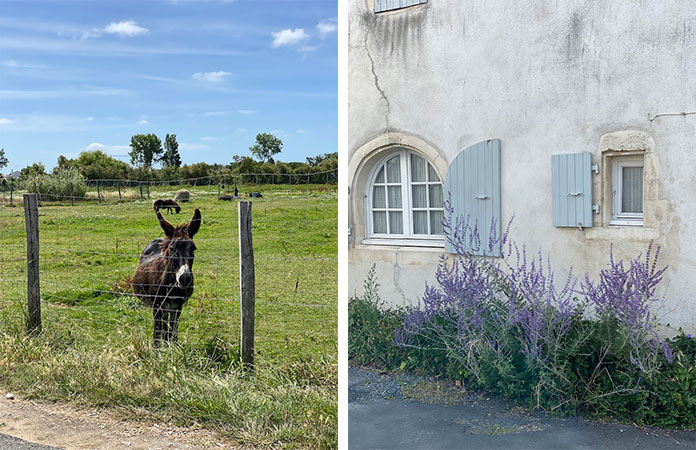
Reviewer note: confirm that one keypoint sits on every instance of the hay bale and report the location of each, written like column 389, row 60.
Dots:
column 182, row 196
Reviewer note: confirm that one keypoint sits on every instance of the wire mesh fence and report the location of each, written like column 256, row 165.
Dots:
column 89, row 253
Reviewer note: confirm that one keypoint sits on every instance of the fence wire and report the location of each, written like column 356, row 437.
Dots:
column 89, row 253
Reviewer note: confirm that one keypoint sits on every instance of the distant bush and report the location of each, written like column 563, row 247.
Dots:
column 61, row 185
column 182, row 196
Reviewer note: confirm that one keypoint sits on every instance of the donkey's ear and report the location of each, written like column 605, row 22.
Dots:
column 195, row 223
column 166, row 226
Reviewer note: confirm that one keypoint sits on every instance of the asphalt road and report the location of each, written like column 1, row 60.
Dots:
column 13, row 443
column 413, row 413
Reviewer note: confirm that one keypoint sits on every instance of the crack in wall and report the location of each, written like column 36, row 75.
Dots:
column 397, row 286
column 377, row 86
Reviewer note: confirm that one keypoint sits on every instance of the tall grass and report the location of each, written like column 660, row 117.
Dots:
column 95, row 348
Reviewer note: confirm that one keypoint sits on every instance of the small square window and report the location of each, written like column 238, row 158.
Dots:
column 627, row 189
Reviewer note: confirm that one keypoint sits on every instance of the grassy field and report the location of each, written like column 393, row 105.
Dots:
column 96, row 350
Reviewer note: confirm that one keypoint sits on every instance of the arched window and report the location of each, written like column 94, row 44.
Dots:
column 405, row 200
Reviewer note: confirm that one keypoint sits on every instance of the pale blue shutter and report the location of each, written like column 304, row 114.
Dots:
column 473, row 186
column 571, row 176
column 386, row 5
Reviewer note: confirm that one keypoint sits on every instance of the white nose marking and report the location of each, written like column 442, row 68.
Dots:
column 182, row 270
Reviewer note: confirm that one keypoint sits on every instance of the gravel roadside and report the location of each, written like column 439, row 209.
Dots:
column 411, row 412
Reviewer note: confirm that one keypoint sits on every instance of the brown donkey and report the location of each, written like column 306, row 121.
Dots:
column 164, row 277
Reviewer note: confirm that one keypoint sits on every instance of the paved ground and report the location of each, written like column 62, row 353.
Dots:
column 415, row 413
column 13, row 443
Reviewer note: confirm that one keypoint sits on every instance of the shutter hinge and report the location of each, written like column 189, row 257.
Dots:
column 350, row 231
column 595, row 208
column 595, row 168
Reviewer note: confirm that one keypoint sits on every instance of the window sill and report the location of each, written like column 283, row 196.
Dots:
column 617, row 232
column 626, row 222
column 433, row 243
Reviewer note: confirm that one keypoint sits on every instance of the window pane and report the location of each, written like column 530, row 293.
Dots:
column 436, row 222
column 380, row 176
column 396, row 223
column 435, row 195
column 632, row 189
column 395, row 196
column 394, row 170
column 417, row 168
column 420, row 222
column 379, row 222
column 378, row 197
column 419, row 196
column 432, row 175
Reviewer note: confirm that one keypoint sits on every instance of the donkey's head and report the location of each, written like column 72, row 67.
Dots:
column 179, row 249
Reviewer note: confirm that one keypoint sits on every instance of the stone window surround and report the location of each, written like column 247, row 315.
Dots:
column 361, row 165
column 619, row 144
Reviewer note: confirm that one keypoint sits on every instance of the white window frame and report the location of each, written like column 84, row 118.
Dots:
column 619, row 217
column 408, row 238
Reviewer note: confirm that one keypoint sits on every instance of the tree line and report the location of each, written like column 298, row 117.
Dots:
column 148, row 151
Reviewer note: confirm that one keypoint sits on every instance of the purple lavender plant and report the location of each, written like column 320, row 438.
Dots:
column 626, row 295
column 543, row 313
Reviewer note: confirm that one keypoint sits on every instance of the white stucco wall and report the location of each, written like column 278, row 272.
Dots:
column 544, row 77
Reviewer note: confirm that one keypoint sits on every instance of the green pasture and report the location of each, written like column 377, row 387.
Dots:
column 96, row 349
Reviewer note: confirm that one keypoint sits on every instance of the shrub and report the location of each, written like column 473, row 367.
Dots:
column 63, row 184
column 504, row 325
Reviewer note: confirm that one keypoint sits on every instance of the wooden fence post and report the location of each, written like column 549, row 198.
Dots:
column 11, row 190
column 99, row 192
column 31, row 217
column 141, row 190
column 148, row 190
column 247, row 284
column 119, row 191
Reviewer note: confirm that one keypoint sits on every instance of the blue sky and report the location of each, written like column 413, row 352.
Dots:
column 81, row 75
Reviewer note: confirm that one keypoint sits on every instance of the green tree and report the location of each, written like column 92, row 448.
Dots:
column 266, row 146
column 95, row 165
column 3, row 159
column 171, row 157
column 33, row 170
column 317, row 160
column 146, row 149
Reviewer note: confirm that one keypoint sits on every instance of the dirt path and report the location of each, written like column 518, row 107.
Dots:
column 63, row 426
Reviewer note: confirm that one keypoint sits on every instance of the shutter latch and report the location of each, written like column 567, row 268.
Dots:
column 595, row 168
column 575, row 194
column 482, row 197
column 595, row 208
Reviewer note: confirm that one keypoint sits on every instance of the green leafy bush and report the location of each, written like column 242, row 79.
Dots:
column 61, row 185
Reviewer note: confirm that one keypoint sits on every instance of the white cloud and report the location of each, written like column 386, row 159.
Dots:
column 209, row 138
column 307, row 48
column 302, row 131
column 15, row 94
column 90, row 118
column 327, row 27
column 125, row 28
column 108, row 149
column 240, row 130
column 289, row 37
column 277, row 132
column 211, row 77
column 142, row 122
column 187, row 146
column 5, row 121
column 17, row 65
column 247, row 112
column 216, row 113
